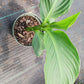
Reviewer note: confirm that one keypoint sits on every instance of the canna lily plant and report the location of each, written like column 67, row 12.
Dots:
column 62, row 64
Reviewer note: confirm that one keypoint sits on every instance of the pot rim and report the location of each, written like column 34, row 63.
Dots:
column 24, row 14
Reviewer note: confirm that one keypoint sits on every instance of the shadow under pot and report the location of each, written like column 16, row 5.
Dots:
column 22, row 36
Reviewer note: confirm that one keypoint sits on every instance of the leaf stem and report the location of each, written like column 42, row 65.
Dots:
column 35, row 28
column 49, row 14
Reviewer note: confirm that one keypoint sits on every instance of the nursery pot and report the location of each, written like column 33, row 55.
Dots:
column 22, row 36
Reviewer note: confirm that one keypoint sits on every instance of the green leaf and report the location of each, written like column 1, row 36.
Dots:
column 62, row 61
column 51, row 9
column 65, row 23
column 38, row 43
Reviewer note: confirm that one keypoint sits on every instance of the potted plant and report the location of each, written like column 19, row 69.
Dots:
column 62, row 64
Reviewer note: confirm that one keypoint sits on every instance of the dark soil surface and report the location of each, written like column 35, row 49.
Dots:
column 25, row 37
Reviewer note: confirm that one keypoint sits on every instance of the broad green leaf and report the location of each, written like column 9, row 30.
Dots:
column 38, row 43
column 62, row 61
column 65, row 23
column 51, row 9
